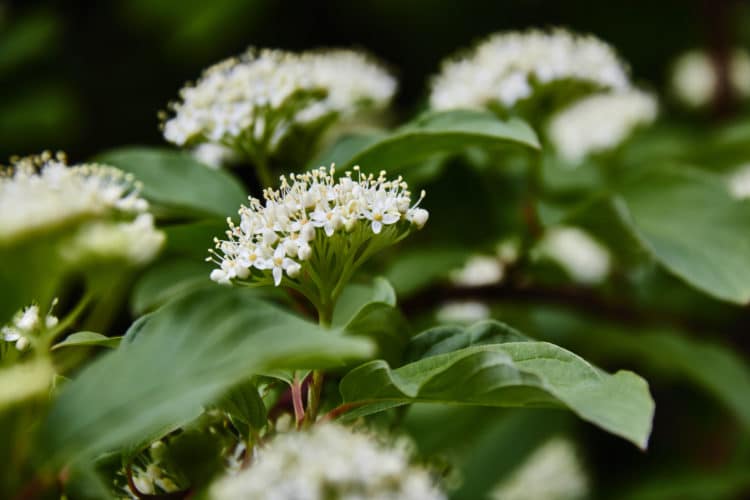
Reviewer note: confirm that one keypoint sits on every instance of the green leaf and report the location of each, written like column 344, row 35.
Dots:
column 167, row 280
column 193, row 240
column 344, row 149
column 369, row 310
column 357, row 295
column 177, row 359
column 445, row 339
column 178, row 184
column 243, row 402
column 31, row 272
column 513, row 374
column 441, row 132
column 691, row 225
column 88, row 339
column 707, row 364
column 442, row 430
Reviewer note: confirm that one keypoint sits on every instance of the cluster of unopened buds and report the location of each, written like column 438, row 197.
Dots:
column 316, row 229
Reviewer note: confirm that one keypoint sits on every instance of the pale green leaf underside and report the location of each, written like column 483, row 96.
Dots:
column 514, row 374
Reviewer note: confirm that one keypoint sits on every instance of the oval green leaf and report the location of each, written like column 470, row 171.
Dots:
column 176, row 183
column 514, row 374
column 691, row 225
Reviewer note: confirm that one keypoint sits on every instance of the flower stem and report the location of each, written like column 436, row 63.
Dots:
column 299, row 411
column 263, row 172
column 313, row 397
column 315, row 387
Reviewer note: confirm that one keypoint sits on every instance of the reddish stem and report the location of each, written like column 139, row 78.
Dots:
column 299, row 411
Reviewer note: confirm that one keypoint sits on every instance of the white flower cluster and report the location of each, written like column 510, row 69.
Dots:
column 583, row 258
column 330, row 225
column 26, row 324
column 251, row 103
column 695, row 79
column 42, row 192
column 329, row 461
column 135, row 242
column 504, row 69
column 600, row 122
column 552, row 472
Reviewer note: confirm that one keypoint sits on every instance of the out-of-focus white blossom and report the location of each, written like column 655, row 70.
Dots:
column 552, row 472
column 583, row 258
column 27, row 324
column 328, row 461
column 135, row 242
column 739, row 182
column 600, row 122
column 506, row 67
column 316, row 230
column 479, row 270
column 508, row 250
column 468, row 311
column 695, row 78
column 253, row 102
column 213, row 155
column 40, row 193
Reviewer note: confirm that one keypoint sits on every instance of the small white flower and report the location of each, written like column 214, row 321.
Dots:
column 280, row 263
column 600, row 122
column 382, row 213
column 327, row 218
column 29, row 319
column 505, row 68
column 220, row 276
column 10, row 334
column 419, row 216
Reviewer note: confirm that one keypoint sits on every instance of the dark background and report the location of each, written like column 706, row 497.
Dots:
column 87, row 76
